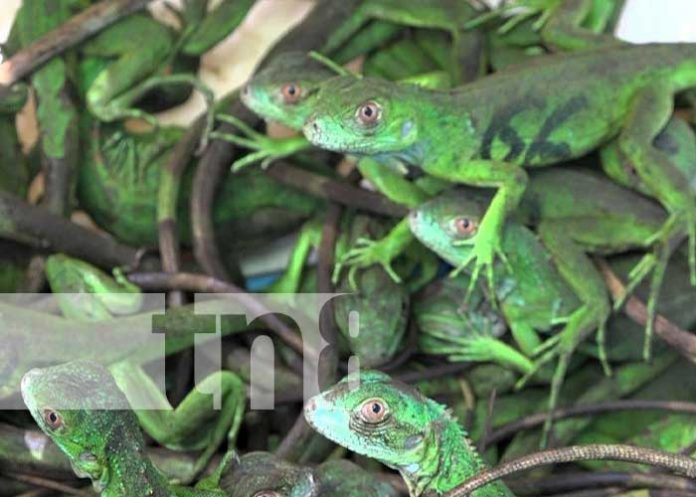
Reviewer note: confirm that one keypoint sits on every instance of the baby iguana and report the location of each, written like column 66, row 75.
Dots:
column 487, row 132
column 285, row 91
column 577, row 213
column 79, row 406
column 260, row 474
column 562, row 24
column 463, row 329
column 85, row 292
column 373, row 415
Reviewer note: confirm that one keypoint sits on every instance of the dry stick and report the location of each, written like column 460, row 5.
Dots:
column 334, row 190
column 39, row 492
column 674, row 462
column 168, row 238
column 50, row 484
column 571, row 481
column 680, row 340
column 538, row 419
column 301, row 432
column 85, row 24
column 207, row 284
column 167, row 203
column 35, row 226
column 311, row 34
column 433, row 372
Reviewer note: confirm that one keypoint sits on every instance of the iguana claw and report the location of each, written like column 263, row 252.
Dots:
column 266, row 149
column 365, row 253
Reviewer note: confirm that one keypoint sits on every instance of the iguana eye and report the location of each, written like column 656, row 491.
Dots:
column 464, row 226
column 291, row 93
column 52, row 419
column 369, row 113
column 374, row 411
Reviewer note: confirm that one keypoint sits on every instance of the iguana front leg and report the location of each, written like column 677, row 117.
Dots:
column 511, row 181
column 367, row 252
column 195, row 423
column 565, row 28
column 265, row 148
column 650, row 112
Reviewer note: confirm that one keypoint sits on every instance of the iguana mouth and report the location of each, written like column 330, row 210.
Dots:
column 316, row 136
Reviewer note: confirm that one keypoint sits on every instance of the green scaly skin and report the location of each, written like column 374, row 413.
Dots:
column 193, row 424
column 79, row 406
column 284, row 90
column 576, row 213
column 566, row 25
column 33, row 338
column 468, row 331
column 447, row 15
column 503, row 124
column 126, row 61
column 381, row 303
column 267, row 95
column 121, row 173
column 393, row 423
column 263, row 474
column 109, row 295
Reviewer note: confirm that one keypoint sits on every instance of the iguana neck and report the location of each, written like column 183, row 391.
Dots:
column 128, row 469
column 448, row 459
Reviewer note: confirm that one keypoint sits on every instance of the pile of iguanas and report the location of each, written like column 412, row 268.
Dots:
column 504, row 166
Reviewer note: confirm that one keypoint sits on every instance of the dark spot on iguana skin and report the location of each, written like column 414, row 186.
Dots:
column 555, row 151
column 500, row 127
column 540, row 147
column 665, row 143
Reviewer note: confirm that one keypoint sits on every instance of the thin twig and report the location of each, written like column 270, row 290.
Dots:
column 37, row 481
column 433, row 372
column 538, row 419
column 301, row 432
column 85, row 24
column 680, row 340
column 573, row 481
column 35, row 226
column 313, row 32
column 674, row 462
column 207, row 284
column 334, row 190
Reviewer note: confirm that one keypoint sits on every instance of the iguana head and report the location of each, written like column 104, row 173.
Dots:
column 285, row 90
column 78, row 405
column 373, row 415
column 261, row 474
column 452, row 217
column 364, row 116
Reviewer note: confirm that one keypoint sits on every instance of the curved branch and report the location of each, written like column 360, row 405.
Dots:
column 680, row 340
column 85, row 24
column 35, row 226
column 538, row 419
column 206, row 284
column 673, row 462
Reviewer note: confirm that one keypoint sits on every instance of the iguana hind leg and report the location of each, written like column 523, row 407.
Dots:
column 650, row 112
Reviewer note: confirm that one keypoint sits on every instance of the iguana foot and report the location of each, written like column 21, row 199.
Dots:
column 365, row 253
column 486, row 245
column 266, row 149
